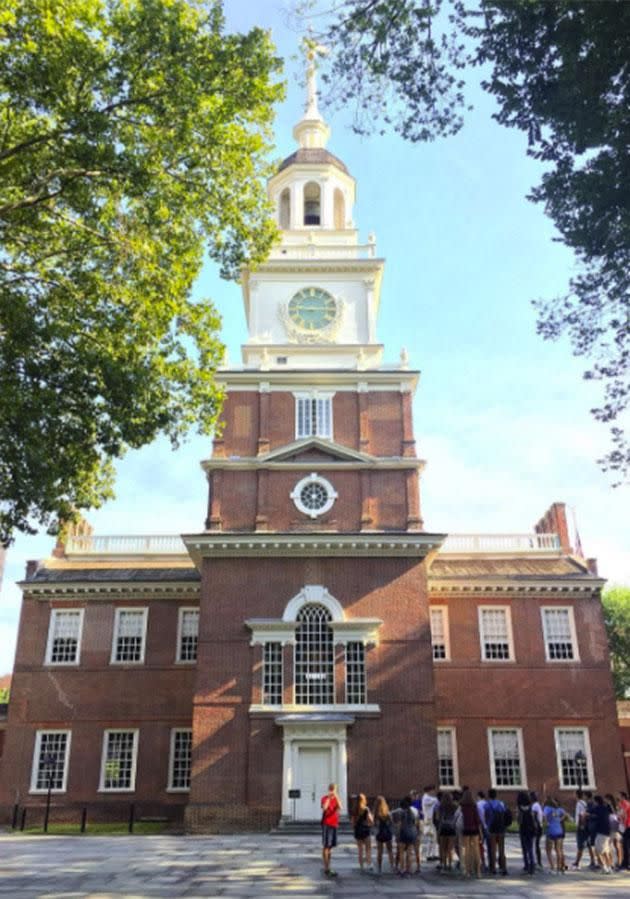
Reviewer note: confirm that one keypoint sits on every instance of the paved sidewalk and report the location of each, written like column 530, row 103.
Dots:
column 252, row 866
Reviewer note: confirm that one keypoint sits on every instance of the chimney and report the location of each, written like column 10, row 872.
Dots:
column 78, row 528
column 591, row 564
column 32, row 567
column 554, row 521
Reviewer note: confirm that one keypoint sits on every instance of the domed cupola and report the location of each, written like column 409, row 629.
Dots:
column 313, row 189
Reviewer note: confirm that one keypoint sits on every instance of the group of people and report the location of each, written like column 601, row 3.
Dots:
column 466, row 832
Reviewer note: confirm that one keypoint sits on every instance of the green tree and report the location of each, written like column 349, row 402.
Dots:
column 559, row 72
column 134, row 136
column 616, row 603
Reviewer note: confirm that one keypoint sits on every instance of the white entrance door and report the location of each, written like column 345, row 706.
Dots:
column 314, row 773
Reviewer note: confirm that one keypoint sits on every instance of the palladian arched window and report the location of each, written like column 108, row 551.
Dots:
column 284, row 209
column 314, row 657
column 339, row 210
column 312, row 204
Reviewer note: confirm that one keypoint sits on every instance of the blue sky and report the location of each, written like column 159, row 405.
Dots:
column 501, row 417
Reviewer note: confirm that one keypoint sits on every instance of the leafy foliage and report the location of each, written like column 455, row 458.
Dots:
column 133, row 138
column 559, row 71
column 4, row 694
column 616, row 603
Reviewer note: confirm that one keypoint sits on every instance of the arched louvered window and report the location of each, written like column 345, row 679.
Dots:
column 314, row 657
column 312, row 204
column 284, row 209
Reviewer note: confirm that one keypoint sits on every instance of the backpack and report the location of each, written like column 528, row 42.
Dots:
column 527, row 822
column 500, row 817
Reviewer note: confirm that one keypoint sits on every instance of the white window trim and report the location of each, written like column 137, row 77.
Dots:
column 589, row 757
column 171, row 761
column 180, row 625
column 453, row 732
column 510, row 634
column 521, row 756
column 447, row 632
column 345, row 672
column 35, row 766
column 314, row 395
column 49, row 643
column 317, row 479
column 119, row 610
column 574, row 640
column 134, row 760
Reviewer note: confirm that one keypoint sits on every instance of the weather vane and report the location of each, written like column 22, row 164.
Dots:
column 312, row 50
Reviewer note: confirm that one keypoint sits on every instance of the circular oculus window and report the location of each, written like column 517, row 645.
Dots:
column 313, row 495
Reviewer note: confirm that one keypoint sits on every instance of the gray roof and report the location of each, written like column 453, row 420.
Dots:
column 103, row 575
column 314, row 156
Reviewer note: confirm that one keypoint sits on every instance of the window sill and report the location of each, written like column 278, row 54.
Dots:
column 178, row 789
column 44, row 792
column 363, row 709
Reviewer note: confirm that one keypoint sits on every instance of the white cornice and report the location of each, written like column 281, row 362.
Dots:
column 401, row 380
column 113, row 590
column 478, row 584
column 266, row 545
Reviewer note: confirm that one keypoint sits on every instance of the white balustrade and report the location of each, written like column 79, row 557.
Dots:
column 500, row 543
column 123, row 545
column 323, row 251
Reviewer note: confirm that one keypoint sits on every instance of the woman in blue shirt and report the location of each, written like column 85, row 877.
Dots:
column 554, row 820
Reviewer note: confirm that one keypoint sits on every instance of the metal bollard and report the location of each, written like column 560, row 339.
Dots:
column 23, row 821
column 83, row 819
column 132, row 812
column 16, row 812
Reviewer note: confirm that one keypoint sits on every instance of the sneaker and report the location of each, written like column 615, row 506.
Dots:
column 332, row 873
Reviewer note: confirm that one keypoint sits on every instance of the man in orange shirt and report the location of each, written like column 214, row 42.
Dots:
column 331, row 806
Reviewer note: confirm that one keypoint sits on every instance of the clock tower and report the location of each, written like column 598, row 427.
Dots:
column 314, row 642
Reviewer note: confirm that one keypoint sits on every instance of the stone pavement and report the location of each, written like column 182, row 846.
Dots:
column 251, row 866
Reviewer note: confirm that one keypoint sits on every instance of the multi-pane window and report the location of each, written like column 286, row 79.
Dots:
column 447, row 760
column 439, row 633
column 314, row 657
column 506, row 757
column 313, row 415
column 272, row 674
column 356, row 693
column 64, row 637
column 179, row 765
column 559, row 633
column 575, row 766
column 129, row 635
column 50, row 761
column 495, row 633
column 118, row 768
column 188, row 635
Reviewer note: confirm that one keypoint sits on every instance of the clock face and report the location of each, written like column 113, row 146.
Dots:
column 311, row 309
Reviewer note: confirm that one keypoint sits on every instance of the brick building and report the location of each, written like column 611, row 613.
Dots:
column 314, row 630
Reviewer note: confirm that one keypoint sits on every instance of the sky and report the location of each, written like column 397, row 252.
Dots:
column 501, row 417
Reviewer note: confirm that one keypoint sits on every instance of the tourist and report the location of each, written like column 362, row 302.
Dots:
column 484, row 842
column 616, row 839
column 526, row 830
column 623, row 806
column 581, row 829
column 601, row 817
column 445, row 813
column 331, row 807
column 471, row 831
column 590, row 824
column 407, row 835
column 384, row 832
column 416, row 803
column 554, row 819
column 428, row 803
column 498, row 819
column 363, row 822
column 537, row 809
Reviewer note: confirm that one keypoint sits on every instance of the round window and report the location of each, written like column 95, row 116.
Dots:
column 313, row 495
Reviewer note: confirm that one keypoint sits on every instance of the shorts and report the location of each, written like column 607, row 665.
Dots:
column 602, row 843
column 583, row 839
column 329, row 836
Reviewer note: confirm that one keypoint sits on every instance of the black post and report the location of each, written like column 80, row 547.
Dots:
column 23, row 820
column 580, row 767
column 83, row 819
column 16, row 812
column 132, row 812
